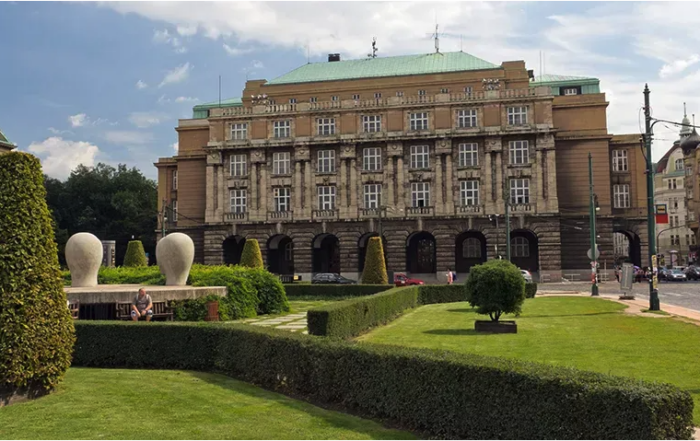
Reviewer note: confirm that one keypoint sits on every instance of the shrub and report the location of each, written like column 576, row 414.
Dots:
column 445, row 395
column 135, row 255
column 496, row 288
column 139, row 275
column 272, row 298
column 530, row 290
column 428, row 294
column 374, row 272
column 36, row 329
column 195, row 310
column 251, row 256
column 294, row 290
column 241, row 299
column 348, row 318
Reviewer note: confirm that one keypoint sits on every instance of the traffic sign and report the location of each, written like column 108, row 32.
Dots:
column 597, row 253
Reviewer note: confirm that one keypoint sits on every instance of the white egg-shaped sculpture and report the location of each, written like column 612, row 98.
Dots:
column 84, row 257
column 175, row 254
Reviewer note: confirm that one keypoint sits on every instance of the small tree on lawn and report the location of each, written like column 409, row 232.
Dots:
column 496, row 288
column 135, row 255
column 251, row 256
column 374, row 272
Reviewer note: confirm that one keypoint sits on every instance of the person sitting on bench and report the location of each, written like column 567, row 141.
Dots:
column 142, row 306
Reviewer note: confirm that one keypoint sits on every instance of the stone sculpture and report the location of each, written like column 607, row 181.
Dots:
column 175, row 254
column 84, row 257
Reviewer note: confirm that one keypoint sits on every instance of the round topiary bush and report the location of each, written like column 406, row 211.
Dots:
column 374, row 272
column 135, row 255
column 530, row 290
column 496, row 288
column 251, row 256
column 36, row 329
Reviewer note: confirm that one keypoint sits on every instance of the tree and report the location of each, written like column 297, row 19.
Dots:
column 496, row 287
column 251, row 256
column 135, row 255
column 374, row 271
column 36, row 329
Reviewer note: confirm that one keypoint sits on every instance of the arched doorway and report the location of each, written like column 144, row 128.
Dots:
column 524, row 250
column 420, row 253
column 627, row 247
column 233, row 248
column 280, row 254
column 326, row 254
column 470, row 250
column 362, row 250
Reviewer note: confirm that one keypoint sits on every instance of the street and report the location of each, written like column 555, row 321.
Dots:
column 685, row 294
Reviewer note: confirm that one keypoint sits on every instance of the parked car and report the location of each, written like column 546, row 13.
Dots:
column 331, row 278
column 663, row 273
column 675, row 275
column 692, row 273
column 526, row 275
column 404, row 280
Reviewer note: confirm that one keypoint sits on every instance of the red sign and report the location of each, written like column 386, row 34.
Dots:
column 662, row 218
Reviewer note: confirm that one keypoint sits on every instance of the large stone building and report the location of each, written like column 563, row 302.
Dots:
column 424, row 150
column 5, row 144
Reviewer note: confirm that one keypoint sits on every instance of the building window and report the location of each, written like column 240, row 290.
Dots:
column 469, row 155
column 444, row 90
column 372, row 123
column 621, row 196
column 519, row 152
column 517, row 115
column 174, row 209
column 326, row 161
column 421, row 92
column 420, row 194
column 292, row 100
column 312, row 99
column 238, row 201
column 420, row 156
column 674, row 203
column 334, row 98
column 469, row 192
column 466, row 118
column 373, row 195
column 521, row 247
column 519, row 191
column 371, row 159
column 326, row 197
column 356, row 96
column 281, row 163
column 282, row 129
column 282, row 197
column 326, row 126
column 174, row 179
column 399, row 93
column 468, row 90
column 471, row 248
column 619, row 160
column 570, row 91
column 377, row 95
column 679, row 165
column 239, row 131
column 239, row 165
column 672, row 184
column 419, row 121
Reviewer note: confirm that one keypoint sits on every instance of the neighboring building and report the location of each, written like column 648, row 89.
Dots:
column 691, row 157
column 674, row 238
column 422, row 149
column 5, row 144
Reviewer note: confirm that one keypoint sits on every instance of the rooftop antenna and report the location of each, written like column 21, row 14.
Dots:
column 544, row 62
column 685, row 111
column 541, row 73
column 437, row 40
column 460, row 43
column 374, row 48
column 308, row 49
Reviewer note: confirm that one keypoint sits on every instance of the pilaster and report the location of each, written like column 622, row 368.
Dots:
column 297, row 187
column 353, row 181
column 449, row 185
column 439, row 200
column 401, row 184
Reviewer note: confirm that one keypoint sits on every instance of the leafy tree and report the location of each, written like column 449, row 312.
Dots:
column 374, row 271
column 496, row 288
column 251, row 256
column 135, row 255
column 36, row 329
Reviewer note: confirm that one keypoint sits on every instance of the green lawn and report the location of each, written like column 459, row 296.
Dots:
column 141, row 404
column 590, row 334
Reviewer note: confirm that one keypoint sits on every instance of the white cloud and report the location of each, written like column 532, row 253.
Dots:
column 143, row 120
column 141, row 85
column 78, row 120
column 165, row 37
column 59, row 132
column 175, row 146
column 177, row 75
column 128, row 138
column 59, row 156
column 678, row 66
column 234, row 51
column 187, row 31
column 185, row 99
column 163, row 99
column 257, row 64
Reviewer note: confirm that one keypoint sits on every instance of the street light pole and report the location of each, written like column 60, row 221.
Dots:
column 507, row 200
column 594, row 284
column 654, row 304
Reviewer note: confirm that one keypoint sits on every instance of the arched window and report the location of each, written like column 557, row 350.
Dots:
column 289, row 251
column 471, row 248
column 679, row 165
column 521, row 247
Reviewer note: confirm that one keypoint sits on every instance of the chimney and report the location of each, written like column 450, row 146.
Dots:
column 333, row 57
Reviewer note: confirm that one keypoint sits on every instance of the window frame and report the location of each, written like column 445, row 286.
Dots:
column 281, row 163
column 372, row 159
column 174, row 181
column 469, row 197
column 282, row 127
column 325, row 126
column 682, row 162
column 467, row 118
column 519, row 191
column 468, row 150
column 373, row 122
column 372, row 196
column 282, row 202
column 326, row 197
column 620, row 160
column 519, row 152
column 420, row 191
column 325, row 161
column 238, row 131
column 418, row 121
column 517, row 115
column 238, row 161
column 420, row 160
column 238, row 199
column 173, row 209
column 621, row 199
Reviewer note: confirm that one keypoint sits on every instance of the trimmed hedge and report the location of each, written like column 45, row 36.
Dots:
column 442, row 394
column 331, row 290
column 374, row 271
column 530, row 290
column 251, row 256
column 272, row 298
column 195, row 310
column 241, row 299
column 36, row 329
column 496, row 287
column 351, row 317
column 428, row 294
column 135, row 255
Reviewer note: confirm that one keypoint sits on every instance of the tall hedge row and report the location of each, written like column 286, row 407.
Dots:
column 36, row 329
column 251, row 257
column 327, row 291
column 439, row 393
column 135, row 255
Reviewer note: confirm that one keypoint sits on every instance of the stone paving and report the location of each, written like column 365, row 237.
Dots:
column 293, row 322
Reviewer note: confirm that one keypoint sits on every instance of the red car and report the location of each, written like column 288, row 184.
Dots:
column 403, row 280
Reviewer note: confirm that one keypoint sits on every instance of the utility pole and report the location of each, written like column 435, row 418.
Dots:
column 507, row 200
column 654, row 304
column 594, row 258
column 163, row 219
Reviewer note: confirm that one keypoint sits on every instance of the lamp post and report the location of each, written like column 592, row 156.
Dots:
column 506, row 196
column 493, row 217
column 594, row 278
column 654, row 304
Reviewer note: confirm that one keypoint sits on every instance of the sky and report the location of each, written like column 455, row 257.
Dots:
column 84, row 83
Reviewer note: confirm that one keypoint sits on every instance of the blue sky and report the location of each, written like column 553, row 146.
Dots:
column 88, row 82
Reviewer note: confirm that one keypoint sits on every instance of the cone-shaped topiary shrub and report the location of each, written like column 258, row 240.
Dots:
column 135, row 255
column 496, row 288
column 374, row 272
column 36, row 329
column 251, row 256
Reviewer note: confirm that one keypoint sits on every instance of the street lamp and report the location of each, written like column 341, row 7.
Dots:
column 493, row 217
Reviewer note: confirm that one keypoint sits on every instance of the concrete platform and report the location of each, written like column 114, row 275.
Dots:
column 126, row 293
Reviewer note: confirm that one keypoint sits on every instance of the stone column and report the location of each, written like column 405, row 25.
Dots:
column 309, row 197
column 222, row 190
column 353, row 181
column 389, row 179
column 297, row 189
column 450, row 186
column 401, row 185
column 438, row 201
column 255, row 194
column 487, row 182
column 553, row 199
column 501, row 183
column 539, row 182
column 209, row 214
column 342, row 199
column 264, row 185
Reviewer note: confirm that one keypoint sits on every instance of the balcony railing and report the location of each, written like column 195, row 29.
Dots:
column 466, row 209
column 522, row 208
column 420, row 211
column 367, row 213
column 279, row 215
column 228, row 217
column 324, row 214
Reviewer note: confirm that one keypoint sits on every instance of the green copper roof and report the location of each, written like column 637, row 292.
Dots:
column 563, row 79
column 231, row 102
column 384, row 67
column 4, row 141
